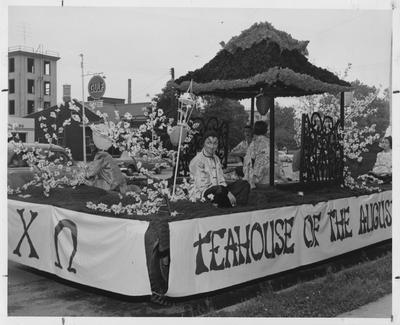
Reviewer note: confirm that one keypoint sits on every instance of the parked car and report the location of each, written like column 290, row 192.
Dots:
column 285, row 157
column 19, row 172
column 129, row 165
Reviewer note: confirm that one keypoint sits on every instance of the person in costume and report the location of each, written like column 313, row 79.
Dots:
column 103, row 172
column 383, row 165
column 209, row 182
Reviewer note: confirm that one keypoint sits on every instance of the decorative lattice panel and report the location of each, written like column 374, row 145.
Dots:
column 321, row 151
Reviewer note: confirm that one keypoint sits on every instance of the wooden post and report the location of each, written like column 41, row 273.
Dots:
column 342, row 136
column 342, row 110
column 302, row 167
column 272, row 144
column 252, row 112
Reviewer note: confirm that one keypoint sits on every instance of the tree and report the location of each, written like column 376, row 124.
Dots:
column 230, row 111
column 284, row 127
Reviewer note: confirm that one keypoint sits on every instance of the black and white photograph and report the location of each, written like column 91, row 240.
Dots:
column 195, row 159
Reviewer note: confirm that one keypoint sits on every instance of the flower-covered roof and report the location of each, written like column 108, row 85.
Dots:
column 263, row 59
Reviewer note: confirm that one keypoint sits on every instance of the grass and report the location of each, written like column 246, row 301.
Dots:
column 334, row 294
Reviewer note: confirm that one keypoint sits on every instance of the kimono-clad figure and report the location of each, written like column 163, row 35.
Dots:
column 103, row 172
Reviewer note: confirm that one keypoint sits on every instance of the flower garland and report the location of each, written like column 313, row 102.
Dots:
column 285, row 75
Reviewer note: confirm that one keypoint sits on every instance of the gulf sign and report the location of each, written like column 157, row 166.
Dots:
column 96, row 87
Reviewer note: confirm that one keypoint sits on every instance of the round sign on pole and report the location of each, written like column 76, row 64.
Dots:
column 96, row 87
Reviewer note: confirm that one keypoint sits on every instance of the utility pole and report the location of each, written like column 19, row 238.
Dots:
column 172, row 73
column 83, row 112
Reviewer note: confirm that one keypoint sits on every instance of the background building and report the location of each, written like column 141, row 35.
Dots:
column 32, row 80
column 72, row 135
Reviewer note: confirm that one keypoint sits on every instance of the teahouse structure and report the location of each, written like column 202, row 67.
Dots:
column 263, row 63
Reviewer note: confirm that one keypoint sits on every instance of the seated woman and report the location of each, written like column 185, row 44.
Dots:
column 209, row 182
column 383, row 165
column 103, row 172
column 256, row 161
column 241, row 149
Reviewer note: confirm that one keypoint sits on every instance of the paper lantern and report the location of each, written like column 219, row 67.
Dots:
column 264, row 103
column 174, row 135
column 187, row 99
column 348, row 98
column 100, row 139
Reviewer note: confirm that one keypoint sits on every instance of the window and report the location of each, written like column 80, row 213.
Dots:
column 11, row 107
column 31, row 106
column 31, row 65
column 31, row 86
column 46, row 67
column 11, row 65
column 46, row 105
column 11, row 86
column 47, row 88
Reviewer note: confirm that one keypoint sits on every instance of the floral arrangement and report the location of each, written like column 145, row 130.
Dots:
column 144, row 142
column 286, row 76
column 50, row 172
column 265, row 31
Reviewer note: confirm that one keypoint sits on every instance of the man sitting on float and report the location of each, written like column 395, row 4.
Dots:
column 209, row 182
column 103, row 172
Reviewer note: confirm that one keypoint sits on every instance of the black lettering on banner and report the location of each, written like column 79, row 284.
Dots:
column 245, row 245
column 332, row 215
column 279, row 249
column 32, row 252
column 345, row 216
column 374, row 216
column 313, row 221
column 388, row 217
column 339, row 224
column 265, row 228
column 381, row 217
column 214, row 250
column 244, row 248
column 200, row 266
column 288, row 234
column 231, row 246
column 257, row 227
column 65, row 223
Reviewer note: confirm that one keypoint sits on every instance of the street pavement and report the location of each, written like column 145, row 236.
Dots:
column 35, row 293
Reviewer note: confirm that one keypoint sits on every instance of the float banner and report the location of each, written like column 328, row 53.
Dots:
column 102, row 252
column 216, row 252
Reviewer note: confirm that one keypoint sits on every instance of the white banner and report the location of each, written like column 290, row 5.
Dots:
column 220, row 251
column 106, row 253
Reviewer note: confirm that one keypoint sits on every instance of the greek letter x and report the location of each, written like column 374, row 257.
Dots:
column 25, row 234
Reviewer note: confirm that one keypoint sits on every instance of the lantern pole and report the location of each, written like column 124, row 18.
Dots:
column 252, row 112
column 177, row 161
column 83, row 112
column 272, row 143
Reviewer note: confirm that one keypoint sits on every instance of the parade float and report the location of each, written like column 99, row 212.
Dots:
column 108, row 240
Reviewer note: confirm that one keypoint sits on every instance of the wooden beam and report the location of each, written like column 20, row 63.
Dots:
column 272, row 144
column 342, row 110
column 342, row 127
column 252, row 112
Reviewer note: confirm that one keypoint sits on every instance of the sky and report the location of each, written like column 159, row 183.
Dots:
column 144, row 43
